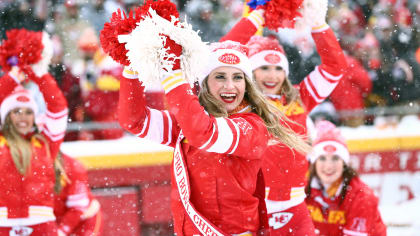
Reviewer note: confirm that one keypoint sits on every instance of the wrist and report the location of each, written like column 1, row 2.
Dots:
column 128, row 73
column 257, row 18
column 320, row 27
column 173, row 80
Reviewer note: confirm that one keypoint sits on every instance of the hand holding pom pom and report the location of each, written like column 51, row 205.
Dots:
column 313, row 14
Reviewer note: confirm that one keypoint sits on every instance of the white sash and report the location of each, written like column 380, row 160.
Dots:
column 183, row 184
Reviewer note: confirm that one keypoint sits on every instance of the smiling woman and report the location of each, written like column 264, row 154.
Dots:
column 338, row 201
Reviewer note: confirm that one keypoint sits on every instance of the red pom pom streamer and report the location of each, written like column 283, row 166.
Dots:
column 24, row 46
column 120, row 24
column 281, row 13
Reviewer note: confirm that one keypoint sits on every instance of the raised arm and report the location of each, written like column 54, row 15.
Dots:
column 245, row 28
column 55, row 123
column 241, row 135
column 319, row 84
column 135, row 117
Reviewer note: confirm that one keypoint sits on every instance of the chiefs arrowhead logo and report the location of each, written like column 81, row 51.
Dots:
column 22, row 99
column 280, row 219
column 330, row 149
column 272, row 58
column 229, row 58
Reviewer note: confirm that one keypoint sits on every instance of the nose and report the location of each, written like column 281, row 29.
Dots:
column 229, row 84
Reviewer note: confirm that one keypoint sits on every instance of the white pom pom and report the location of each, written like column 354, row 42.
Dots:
column 146, row 52
column 313, row 12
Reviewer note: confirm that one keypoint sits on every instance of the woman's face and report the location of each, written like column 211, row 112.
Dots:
column 270, row 79
column 227, row 84
column 22, row 119
column 329, row 168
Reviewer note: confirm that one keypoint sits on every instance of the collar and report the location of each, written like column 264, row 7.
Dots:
column 243, row 107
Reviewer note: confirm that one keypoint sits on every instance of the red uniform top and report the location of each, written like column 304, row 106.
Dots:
column 75, row 203
column 223, row 155
column 28, row 200
column 285, row 169
column 357, row 215
column 355, row 85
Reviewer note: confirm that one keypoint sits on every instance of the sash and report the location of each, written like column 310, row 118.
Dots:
column 183, row 185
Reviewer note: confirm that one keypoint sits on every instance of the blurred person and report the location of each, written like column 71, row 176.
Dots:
column 30, row 15
column 97, row 12
column 201, row 13
column 287, row 212
column 338, row 201
column 355, row 86
column 70, row 28
column 29, row 140
column 76, row 209
column 223, row 189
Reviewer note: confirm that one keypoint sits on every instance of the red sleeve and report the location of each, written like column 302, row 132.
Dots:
column 135, row 117
column 363, row 217
column 359, row 77
column 245, row 28
column 7, row 85
column 320, row 83
column 77, row 194
column 55, row 120
column 243, row 135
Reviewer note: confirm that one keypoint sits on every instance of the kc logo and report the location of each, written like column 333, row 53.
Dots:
column 20, row 231
column 272, row 58
column 330, row 149
column 229, row 58
column 280, row 219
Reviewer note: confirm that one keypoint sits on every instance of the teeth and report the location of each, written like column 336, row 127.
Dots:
column 270, row 84
column 228, row 95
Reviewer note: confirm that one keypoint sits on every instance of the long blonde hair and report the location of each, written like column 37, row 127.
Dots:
column 260, row 106
column 20, row 148
column 290, row 92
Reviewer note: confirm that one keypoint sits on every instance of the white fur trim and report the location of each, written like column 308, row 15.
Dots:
column 262, row 59
column 146, row 52
column 214, row 62
column 340, row 150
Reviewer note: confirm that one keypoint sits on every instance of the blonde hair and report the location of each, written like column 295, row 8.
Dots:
column 20, row 148
column 260, row 106
column 290, row 92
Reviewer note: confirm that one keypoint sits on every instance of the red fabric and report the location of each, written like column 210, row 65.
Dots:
column 327, row 131
column 354, row 87
column 36, row 188
column 45, row 229
column 279, row 175
column 241, row 32
column 294, row 221
column 69, row 218
column 7, row 85
column 222, row 186
column 358, row 212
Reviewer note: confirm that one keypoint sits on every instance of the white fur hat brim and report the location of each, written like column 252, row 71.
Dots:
column 270, row 57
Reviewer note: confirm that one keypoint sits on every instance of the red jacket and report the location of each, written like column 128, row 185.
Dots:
column 223, row 155
column 28, row 200
column 285, row 169
column 75, row 203
column 357, row 215
column 354, row 86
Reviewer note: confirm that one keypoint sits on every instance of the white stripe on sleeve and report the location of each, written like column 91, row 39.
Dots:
column 224, row 137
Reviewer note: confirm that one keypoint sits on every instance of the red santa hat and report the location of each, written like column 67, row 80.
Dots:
column 266, row 51
column 20, row 98
column 227, row 53
column 329, row 141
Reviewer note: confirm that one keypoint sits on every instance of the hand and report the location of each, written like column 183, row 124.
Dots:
column 18, row 75
column 314, row 13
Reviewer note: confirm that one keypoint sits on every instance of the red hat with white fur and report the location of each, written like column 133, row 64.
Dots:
column 329, row 141
column 266, row 51
column 227, row 53
column 19, row 98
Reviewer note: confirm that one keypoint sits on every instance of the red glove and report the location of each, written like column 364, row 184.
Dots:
column 176, row 49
